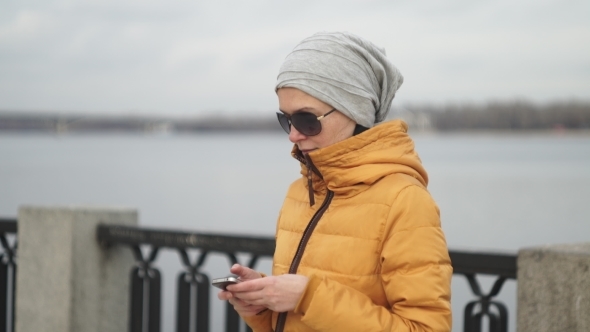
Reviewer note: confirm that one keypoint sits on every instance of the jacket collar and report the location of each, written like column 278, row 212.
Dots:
column 352, row 165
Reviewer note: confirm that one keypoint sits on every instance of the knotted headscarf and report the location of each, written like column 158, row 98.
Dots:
column 344, row 71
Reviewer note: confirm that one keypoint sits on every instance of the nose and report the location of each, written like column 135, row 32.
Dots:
column 295, row 136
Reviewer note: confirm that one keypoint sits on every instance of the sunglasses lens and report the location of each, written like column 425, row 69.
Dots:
column 306, row 123
column 284, row 122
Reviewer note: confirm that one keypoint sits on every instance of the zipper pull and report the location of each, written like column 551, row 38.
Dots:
column 309, row 183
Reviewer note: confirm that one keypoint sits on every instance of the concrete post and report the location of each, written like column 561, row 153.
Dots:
column 554, row 288
column 66, row 282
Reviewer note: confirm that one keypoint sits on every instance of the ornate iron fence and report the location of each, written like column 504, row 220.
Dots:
column 193, row 284
column 471, row 264
column 7, row 273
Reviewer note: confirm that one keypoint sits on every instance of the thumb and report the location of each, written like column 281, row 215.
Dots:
column 243, row 272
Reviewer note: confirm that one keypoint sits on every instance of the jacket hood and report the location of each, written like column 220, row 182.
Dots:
column 351, row 166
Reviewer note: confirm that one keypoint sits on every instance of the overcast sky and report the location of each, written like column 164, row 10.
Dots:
column 190, row 57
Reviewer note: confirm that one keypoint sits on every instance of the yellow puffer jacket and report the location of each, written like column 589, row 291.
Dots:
column 374, row 252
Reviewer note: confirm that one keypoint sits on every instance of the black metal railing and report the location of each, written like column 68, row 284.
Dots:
column 471, row 264
column 8, row 228
column 193, row 284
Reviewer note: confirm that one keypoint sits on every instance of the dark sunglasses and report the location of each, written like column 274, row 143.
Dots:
column 306, row 123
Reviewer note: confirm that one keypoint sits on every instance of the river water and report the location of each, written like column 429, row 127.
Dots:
column 498, row 191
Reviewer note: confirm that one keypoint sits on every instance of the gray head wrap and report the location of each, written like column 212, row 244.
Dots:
column 344, row 71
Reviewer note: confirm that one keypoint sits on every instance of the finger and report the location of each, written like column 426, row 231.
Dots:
column 243, row 272
column 237, row 269
column 247, row 297
column 241, row 305
column 254, row 309
column 250, row 311
column 237, row 303
column 224, row 295
column 248, row 285
column 254, row 302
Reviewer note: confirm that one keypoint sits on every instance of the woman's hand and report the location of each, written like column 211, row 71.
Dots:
column 277, row 293
column 244, row 309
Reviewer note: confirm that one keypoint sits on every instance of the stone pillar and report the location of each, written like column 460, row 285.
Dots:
column 67, row 282
column 554, row 288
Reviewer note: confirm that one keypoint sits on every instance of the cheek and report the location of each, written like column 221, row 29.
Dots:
column 345, row 131
column 319, row 141
column 337, row 132
column 334, row 137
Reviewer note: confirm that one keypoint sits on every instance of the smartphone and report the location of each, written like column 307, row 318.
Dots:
column 223, row 282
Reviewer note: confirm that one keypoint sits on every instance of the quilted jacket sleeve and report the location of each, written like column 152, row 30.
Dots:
column 415, row 275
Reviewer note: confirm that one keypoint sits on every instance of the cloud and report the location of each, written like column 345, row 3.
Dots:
column 187, row 57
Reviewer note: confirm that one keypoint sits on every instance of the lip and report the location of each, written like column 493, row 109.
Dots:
column 306, row 151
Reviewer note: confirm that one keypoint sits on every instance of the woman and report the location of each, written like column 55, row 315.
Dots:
column 359, row 245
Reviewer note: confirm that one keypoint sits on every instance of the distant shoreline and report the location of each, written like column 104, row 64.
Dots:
column 496, row 117
column 279, row 131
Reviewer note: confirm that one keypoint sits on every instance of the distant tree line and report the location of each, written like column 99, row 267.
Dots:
column 95, row 123
column 513, row 115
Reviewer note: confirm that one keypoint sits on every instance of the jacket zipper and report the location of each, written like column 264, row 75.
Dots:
column 310, row 170
column 308, row 231
column 282, row 319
